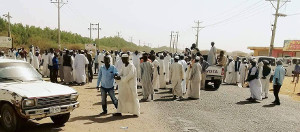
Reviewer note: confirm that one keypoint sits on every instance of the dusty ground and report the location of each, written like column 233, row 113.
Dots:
column 290, row 89
column 222, row 110
column 86, row 118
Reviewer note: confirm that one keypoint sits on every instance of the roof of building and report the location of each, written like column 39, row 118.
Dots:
column 264, row 48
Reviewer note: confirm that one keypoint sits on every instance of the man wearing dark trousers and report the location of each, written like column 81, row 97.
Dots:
column 106, row 76
column 278, row 81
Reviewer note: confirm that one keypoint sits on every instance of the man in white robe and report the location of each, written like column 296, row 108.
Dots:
column 45, row 71
column 128, row 101
column 254, row 83
column 162, row 73
column 176, row 78
column 184, row 66
column 230, row 72
column 167, row 65
column 236, row 73
column 265, row 79
column 35, row 61
column 243, row 72
column 211, row 58
column 101, row 59
column 80, row 67
column 193, row 91
column 136, row 61
column 156, row 72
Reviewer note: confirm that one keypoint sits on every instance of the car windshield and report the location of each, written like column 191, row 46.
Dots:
column 271, row 60
column 18, row 72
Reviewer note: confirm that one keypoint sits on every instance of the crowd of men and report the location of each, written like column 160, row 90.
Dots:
column 184, row 73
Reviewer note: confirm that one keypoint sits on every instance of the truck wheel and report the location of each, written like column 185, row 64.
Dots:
column 217, row 84
column 60, row 119
column 10, row 120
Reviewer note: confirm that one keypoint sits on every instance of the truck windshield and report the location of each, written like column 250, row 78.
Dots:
column 18, row 72
column 271, row 60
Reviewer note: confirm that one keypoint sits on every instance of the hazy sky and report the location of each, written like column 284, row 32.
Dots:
column 235, row 24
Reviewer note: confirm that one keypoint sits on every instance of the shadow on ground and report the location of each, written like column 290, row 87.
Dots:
column 101, row 119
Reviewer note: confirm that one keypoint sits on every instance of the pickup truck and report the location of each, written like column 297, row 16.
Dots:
column 214, row 74
column 25, row 95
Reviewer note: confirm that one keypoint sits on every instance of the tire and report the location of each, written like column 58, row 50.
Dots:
column 60, row 119
column 217, row 84
column 206, row 84
column 10, row 120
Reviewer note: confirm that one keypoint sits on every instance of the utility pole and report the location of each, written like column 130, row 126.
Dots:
column 277, row 14
column 198, row 28
column 177, row 36
column 8, row 20
column 131, row 39
column 139, row 42
column 174, row 41
column 171, row 41
column 91, row 28
column 60, row 4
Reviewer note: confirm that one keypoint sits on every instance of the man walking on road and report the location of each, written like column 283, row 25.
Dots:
column 146, row 78
column 176, row 77
column 265, row 79
column 278, row 81
column 106, row 76
column 254, row 83
column 128, row 97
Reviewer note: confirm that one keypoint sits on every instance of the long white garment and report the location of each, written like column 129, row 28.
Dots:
column 167, row 66
column 230, row 73
column 36, row 62
column 45, row 71
column 146, row 72
column 162, row 76
column 100, row 59
column 255, row 86
column 183, row 83
column 119, row 65
column 128, row 101
column 195, row 80
column 80, row 62
column 136, row 63
column 73, row 66
column 243, row 73
column 265, row 83
column 211, row 58
column 176, row 76
column 155, row 81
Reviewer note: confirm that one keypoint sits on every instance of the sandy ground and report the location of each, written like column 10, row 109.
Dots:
column 87, row 119
column 290, row 89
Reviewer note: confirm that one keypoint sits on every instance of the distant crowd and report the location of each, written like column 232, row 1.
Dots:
column 185, row 73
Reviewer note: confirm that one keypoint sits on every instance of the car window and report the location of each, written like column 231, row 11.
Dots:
column 18, row 72
column 271, row 60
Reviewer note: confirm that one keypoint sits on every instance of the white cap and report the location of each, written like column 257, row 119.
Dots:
column 197, row 58
column 125, row 55
column 177, row 57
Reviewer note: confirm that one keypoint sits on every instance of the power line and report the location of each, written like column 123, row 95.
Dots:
column 249, row 8
column 91, row 28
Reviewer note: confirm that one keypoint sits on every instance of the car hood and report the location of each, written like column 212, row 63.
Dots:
column 37, row 89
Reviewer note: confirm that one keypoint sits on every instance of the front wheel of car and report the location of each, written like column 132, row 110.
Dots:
column 10, row 121
column 60, row 119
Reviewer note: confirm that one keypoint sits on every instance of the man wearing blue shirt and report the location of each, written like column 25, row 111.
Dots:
column 278, row 81
column 106, row 76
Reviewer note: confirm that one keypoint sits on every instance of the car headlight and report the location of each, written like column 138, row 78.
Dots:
column 28, row 102
column 74, row 97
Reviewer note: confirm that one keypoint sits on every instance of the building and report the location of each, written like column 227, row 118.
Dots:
column 277, row 52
